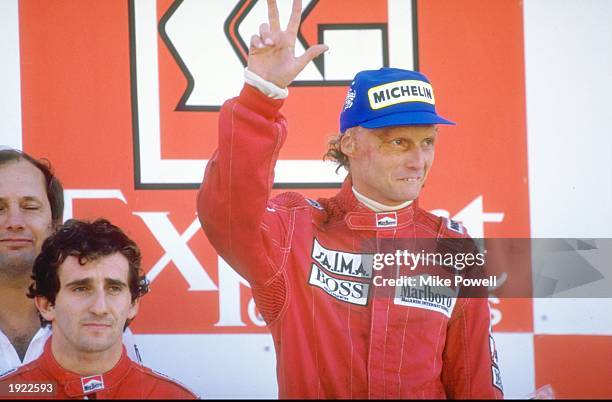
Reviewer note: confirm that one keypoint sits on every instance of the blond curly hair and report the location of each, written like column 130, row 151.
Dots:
column 334, row 153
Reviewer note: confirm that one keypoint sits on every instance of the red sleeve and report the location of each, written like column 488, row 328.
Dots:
column 171, row 391
column 233, row 199
column 470, row 369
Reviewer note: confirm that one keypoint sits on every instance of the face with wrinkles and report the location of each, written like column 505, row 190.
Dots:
column 25, row 216
column 390, row 165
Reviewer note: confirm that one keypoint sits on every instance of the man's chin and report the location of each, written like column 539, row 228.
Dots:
column 17, row 262
column 404, row 196
column 96, row 346
column 407, row 191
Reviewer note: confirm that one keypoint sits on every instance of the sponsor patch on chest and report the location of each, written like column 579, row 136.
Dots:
column 342, row 262
column 92, row 384
column 426, row 296
column 340, row 289
column 386, row 220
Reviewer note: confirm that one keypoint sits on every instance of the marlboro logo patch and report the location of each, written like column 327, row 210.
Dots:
column 93, row 383
column 386, row 220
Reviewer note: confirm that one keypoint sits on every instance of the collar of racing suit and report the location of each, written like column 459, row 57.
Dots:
column 358, row 216
column 377, row 206
column 74, row 383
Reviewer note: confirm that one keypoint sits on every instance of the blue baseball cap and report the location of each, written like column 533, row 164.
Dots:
column 389, row 97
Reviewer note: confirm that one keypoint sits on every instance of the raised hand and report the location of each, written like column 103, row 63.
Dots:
column 272, row 52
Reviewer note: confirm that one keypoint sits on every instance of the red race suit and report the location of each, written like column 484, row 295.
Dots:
column 126, row 380
column 336, row 335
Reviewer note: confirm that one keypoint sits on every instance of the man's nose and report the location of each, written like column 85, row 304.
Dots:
column 14, row 219
column 99, row 305
column 414, row 158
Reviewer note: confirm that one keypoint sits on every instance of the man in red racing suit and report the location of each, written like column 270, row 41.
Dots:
column 126, row 380
column 336, row 334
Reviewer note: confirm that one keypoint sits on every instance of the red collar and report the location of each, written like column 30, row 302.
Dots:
column 75, row 384
column 359, row 217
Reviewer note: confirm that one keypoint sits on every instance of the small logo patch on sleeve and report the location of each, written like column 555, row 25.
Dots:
column 497, row 381
column 454, row 226
column 313, row 203
column 350, row 97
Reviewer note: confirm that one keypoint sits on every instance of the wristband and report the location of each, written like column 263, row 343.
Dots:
column 266, row 87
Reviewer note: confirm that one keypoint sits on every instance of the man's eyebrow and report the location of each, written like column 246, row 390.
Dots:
column 26, row 198
column 79, row 282
column 31, row 198
column 385, row 133
column 115, row 282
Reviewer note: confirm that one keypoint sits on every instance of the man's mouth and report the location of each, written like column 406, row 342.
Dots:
column 411, row 179
column 96, row 325
column 16, row 241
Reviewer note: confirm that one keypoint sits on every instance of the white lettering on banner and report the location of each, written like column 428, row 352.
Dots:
column 473, row 217
column 176, row 250
column 229, row 299
column 343, row 263
column 78, row 194
column 254, row 315
column 192, row 19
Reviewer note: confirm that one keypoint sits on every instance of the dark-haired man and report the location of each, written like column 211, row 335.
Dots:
column 337, row 334
column 31, row 206
column 87, row 284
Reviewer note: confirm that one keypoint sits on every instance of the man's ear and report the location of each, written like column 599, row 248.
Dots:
column 45, row 307
column 133, row 309
column 348, row 143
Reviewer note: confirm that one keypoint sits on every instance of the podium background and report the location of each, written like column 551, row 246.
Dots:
column 121, row 96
